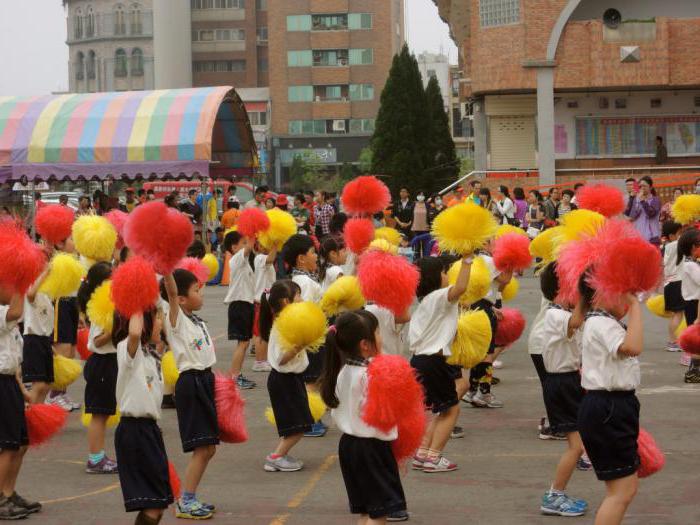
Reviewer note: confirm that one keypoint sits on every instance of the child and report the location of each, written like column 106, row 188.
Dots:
column 240, row 299
column 333, row 256
column 144, row 476
column 405, row 249
column 562, row 390
column 264, row 279
column 392, row 329
column 608, row 417
column 193, row 349
column 285, row 384
column 369, row 468
column 673, row 297
column 689, row 270
column 37, row 363
column 431, row 332
column 13, row 426
column 100, row 374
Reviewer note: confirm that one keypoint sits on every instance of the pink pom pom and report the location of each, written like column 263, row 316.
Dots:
column 44, row 422
column 175, row 484
column 366, row 195
column 134, row 287
column 195, row 266
column 252, row 222
column 511, row 253
column 689, row 340
column 159, row 234
column 651, row 459
column 510, row 328
column 82, row 344
column 606, row 200
column 230, row 410
column 21, row 260
column 388, row 280
column 395, row 398
column 118, row 219
column 54, row 222
column 358, row 233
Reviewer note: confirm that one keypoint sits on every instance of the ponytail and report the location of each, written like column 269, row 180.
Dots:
column 687, row 241
column 97, row 274
column 329, row 244
column 333, row 362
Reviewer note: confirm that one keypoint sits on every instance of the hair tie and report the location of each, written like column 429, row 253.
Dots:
column 332, row 329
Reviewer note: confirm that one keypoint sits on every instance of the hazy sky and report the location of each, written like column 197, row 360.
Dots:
column 35, row 57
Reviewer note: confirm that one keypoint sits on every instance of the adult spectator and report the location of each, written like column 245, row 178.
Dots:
column 337, row 224
column 566, row 205
column 419, row 221
column 130, row 201
column 520, row 206
column 323, row 213
column 282, row 202
column 577, row 186
column 270, row 202
column 475, row 195
column 504, row 206
column 309, row 204
column 435, row 207
column 300, row 213
column 632, row 189
column 170, row 200
column 84, row 207
column 665, row 214
column 230, row 217
column 661, row 156
column 535, row 213
column 486, row 201
column 550, row 207
column 190, row 207
column 645, row 211
column 258, row 200
column 697, row 186
column 100, row 202
column 141, row 197
column 63, row 199
column 403, row 212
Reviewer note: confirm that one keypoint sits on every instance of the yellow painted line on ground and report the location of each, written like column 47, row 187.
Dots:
column 109, row 488
column 307, row 489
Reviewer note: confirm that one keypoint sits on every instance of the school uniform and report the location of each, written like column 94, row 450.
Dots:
column 311, row 292
column 13, row 425
column 608, row 418
column 673, row 296
column 240, row 298
column 536, row 341
column 100, row 375
column 264, row 279
column 332, row 274
column 690, row 288
column 370, row 471
column 392, row 334
column 193, row 349
column 431, row 333
column 562, row 358
column 138, row 441
column 37, row 362
column 285, row 384
column 67, row 318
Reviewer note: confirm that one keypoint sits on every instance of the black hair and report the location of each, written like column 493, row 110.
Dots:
column 630, row 179
column 585, row 290
column 97, row 274
column 299, row 197
column 184, row 279
column 519, row 193
column 197, row 250
column 329, row 244
column 551, row 190
column 120, row 330
column 549, row 281
column 309, row 193
column 578, row 185
column 487, row 193
column 431, row 269
column 474, row 183
column 659, row 137
column 670, row 228
column 261, row 189
column 169, row 201
column 231, row 239
column 650, row 182
column 218, row 229
column 192, row 192
column 570, row 193
column 504, row 191
column 141, row 192
column 295, row 246
column 271, row 303
column 337, row 223
column 343, row 342
column 687, row 242
column 234, row 204
column 537, row 195
column 150, row 192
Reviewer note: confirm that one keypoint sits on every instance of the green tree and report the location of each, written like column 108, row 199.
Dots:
column 365, row 160
column 442, row 164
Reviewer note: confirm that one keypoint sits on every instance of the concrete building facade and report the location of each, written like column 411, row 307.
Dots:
column 438, row 66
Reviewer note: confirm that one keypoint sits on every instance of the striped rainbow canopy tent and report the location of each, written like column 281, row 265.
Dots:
column 149, row 134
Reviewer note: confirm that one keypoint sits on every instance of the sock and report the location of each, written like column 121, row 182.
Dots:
column 188, row 497
column 275, row 456
column 96, row 458
column 473, row 379
column 422, row 453
column 433, row 455
column 485, row 380
column 554, row 491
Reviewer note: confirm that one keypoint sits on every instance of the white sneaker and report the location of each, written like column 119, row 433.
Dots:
column 261, row 366
column 486, row 401
column 72, row 404
column 60, row 401
column 442, row 465
column 498, row 364
column 685, row 359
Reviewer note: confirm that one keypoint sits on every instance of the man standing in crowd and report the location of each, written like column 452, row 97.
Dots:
column 191, row 208
column 631, row 187
column 403, row 212
column 473, row 197
column 258, row 200
column 130, row 202
column 550, row 207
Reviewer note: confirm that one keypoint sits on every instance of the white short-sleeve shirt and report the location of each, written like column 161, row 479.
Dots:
column 535, row 341
column 264, row 276
column 275, row 353
column 434, row 324
column 107, row 348
column 671, row 269
column 392, row 334
column 690, row 280
column 310, row 289
column 38, row 316
column 139, row 383
column 190, row 342
column 602, row 368
column 10, row 344
column 332, row 274
column 560, row 354
column 241, row 285
column 494, row 294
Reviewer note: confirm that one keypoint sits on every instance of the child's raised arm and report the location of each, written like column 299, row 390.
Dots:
column 34, row 288
column 634, row 340
column 457, row 290
column 135, row 332
column 171, row 290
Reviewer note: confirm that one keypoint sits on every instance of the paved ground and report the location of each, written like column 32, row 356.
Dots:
column 504, row 468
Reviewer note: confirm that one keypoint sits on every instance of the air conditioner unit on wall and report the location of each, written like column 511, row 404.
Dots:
column 338, row 125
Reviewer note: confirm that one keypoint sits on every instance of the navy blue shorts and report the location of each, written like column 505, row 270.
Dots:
column 196, row 409
column 438, row 380
column 241, row 316
column 67, row 318
column 13, row 425
column 100, row 374
column 290, row 403
column 37, row 359
column 562, row 399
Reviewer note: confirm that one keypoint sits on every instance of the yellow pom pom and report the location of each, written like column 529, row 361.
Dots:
column 686, row 209
column 282, row 227
column 100, row 308
column 212, row 263
column 231, row 229
column 270, row 416
column 544, row 246
column 316, row 406
column 390, row 235
column 511, row 290
column 63, row 279
column 473, row 339
column 657, row 306
column 384, row 245
column 503, row 229
column 94, row 237
column 342, row 296
column 580, row 224
column 464, row 228
column 301, row 325
column 65, row 372
column 169, row 368
column 112, row 421
column 479, row 281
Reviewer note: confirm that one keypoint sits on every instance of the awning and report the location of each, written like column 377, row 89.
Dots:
column 131, row 134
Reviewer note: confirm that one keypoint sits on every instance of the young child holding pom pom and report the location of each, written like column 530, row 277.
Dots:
column 193, row 349
column 265, row 277
column 37, row 362
column 333, row 255
column 285, row 384
column 431, row 332
column 689, row 270
column 369, row 468
column 144, row 477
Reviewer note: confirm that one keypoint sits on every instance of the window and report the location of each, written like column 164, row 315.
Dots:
column 135, row 20
column 137, row 63
column 91, row 65
column 332, row 92
column 307, row 127
column 329, row 22
column 261, row 5
column 299, row 58
column 229, row 34
column 263, row 64
column 330, row 57
column 262, row 34
column 300, row 93
column 219, row 66
column 90, row 23
column 257, row 118
column 361, row 57
column 360, row 21
column 362, row 125
column 120, row 63
column 499, row 12
column 80, row 66
column 217, row 4
column 361, row 92
column 78, row 24
column 299, row 23
column 119, row 20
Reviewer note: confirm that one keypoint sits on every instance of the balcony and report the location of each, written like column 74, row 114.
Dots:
column 218, row 15
column 112, row 26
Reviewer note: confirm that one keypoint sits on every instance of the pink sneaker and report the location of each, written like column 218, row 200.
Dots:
column 418, row 463
column 442, row 465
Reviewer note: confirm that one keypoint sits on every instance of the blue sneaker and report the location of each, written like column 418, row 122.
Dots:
column 559, row 504
column 584, row 464
column 318, row 429
column 192, row 511
column 244, row 383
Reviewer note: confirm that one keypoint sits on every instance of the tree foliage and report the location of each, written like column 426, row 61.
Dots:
column 444, row 163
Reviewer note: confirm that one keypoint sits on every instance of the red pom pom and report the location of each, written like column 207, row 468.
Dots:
column 651, row 459
column 44, row 422
column 82, row 344
column 366, row 195
column 134, row 287
column 175, row 485
column 195, row 266
column 511, row 253
column 54, row 222
column 358, row 233
column 21, row 260
column 118, row 219
column 606, row 200
column 388, row 280
column 230, row 410
column 510, row 328
column 252, row 222
column 689, row 340
column 159, row 234
column 395, row 398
